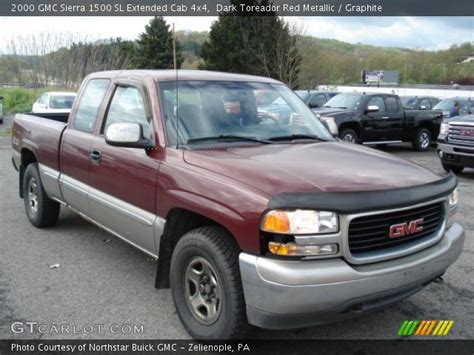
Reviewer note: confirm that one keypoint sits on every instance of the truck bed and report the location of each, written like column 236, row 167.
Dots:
column 39, row 131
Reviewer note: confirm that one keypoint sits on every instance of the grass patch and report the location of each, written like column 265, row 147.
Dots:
column 19, row 99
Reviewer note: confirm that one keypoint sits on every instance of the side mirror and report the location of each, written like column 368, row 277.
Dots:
column 41, row 106
column 313, row 105
column 422, row 107
column 372, row 108
column 128, row 135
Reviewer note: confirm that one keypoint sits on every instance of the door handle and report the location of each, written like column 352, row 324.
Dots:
column 385, row 117
column 96, row 156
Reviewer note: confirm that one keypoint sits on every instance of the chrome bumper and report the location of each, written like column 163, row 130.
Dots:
column 452, row 149
column 288, row 294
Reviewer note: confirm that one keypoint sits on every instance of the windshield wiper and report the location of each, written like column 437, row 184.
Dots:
column 297, row 136
column 228, row 137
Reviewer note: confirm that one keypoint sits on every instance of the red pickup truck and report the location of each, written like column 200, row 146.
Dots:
column 253, row 220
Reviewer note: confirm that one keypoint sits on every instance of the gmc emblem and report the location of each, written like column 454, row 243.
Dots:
column 466, row 132
column 407, row 228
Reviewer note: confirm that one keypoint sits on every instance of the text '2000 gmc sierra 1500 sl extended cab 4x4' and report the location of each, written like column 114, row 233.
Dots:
column 252, row 220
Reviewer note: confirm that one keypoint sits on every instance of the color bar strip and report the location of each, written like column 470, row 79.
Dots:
column 420, row 327
column 448, row 327
column 438, row 327
column 402, row 328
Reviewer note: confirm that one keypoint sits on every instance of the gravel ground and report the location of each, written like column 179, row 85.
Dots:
column 103, row 281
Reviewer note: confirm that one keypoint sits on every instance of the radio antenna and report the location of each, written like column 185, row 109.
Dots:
column 175, row 65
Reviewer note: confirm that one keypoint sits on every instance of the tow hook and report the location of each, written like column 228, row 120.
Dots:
column 438, row 280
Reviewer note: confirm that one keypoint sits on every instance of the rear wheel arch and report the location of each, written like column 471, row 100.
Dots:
column 179, row 221
column 27, row 158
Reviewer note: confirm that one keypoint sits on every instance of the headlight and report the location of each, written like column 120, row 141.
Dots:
column 300, row 222
column 453, row 199
column 444, row 129
column 453, row 204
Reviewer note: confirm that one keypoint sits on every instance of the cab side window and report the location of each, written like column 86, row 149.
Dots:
column 318, row 100
column 426, row 103
column 43, row 99
column 391, row 104
column 89, row 106
column 128, row 106
column 377, row 101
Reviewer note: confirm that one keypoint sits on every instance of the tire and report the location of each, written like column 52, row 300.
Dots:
column 211, row 252
column 349, row 135
column 40, row 209
column 423, row 140
column 457, row 169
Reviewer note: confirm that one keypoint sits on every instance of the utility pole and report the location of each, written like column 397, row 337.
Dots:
column 174, row 49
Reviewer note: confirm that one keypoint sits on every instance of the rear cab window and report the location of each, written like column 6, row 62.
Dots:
column 391, row 104
column 90, row 104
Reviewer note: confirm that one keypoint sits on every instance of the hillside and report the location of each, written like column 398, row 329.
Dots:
column 324, row 61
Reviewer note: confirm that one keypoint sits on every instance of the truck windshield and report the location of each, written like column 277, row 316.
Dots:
column 448, row 104
column 345, row 101
column 217, row 112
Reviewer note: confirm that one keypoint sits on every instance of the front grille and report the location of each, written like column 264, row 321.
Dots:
column 371, row 233
column 461, row 134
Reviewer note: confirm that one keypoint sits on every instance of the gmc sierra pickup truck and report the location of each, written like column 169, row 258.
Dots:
column 380, row 119
column 456, row 143
column 252, row 220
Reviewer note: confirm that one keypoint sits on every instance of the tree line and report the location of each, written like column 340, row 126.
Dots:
column 257, row 45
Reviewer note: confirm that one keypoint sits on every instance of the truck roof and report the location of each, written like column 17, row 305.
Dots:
column 170, row 75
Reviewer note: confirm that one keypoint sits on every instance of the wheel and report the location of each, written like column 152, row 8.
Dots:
column 454, row 168
column 349, row 135
column 206, row 285
column 40, row 209
column 422, row 140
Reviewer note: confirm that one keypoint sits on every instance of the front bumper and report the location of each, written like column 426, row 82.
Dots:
column 282, row 294
column 457, row 155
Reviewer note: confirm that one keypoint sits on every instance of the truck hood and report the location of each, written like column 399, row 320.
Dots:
column 315, row 167
column 331, row 111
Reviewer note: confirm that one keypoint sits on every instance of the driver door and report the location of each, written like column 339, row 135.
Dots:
column 123, row 180
column 375, row 125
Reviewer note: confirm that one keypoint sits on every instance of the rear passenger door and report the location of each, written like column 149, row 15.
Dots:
column 395, row 116
column 123, row 180
column 76, row 145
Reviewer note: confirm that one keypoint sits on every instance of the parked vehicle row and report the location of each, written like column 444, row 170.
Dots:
column 252, row 219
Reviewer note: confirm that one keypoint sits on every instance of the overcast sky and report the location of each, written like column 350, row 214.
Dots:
column 410, row 32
